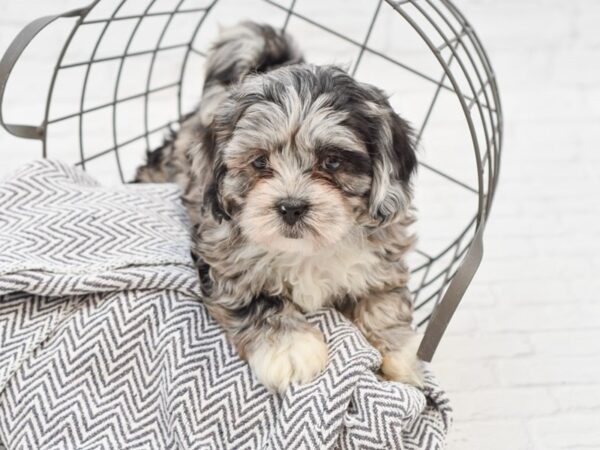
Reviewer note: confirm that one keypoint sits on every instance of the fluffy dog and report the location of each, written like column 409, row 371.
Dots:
column 297, row 180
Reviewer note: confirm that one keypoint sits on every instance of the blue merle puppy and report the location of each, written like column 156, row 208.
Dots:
column 297, row 179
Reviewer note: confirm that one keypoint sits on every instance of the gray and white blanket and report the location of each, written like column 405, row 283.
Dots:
column 105, row 343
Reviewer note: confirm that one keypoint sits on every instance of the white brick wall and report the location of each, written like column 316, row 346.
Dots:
column 539, row 338
column 521, row 360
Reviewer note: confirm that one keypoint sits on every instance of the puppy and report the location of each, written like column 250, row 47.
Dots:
column 297, row 179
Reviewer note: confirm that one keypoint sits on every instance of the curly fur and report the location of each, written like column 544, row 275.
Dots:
column 271, row 133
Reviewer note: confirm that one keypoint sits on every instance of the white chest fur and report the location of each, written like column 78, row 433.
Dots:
column 315, row 280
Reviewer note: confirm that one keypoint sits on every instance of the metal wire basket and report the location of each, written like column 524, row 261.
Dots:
column 128, row 71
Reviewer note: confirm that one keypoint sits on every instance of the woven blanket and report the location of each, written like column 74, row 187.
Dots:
column 105, row 343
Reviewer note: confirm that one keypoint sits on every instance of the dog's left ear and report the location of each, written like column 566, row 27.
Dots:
column 394, row 162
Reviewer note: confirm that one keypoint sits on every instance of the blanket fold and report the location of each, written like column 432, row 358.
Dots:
column 104, row 341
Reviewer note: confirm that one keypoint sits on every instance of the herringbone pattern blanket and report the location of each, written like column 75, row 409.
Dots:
column 105, row 344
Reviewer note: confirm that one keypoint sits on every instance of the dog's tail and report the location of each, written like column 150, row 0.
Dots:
column 247, row 48
column 240, row 50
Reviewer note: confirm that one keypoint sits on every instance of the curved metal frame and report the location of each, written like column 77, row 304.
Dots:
column 480, row 106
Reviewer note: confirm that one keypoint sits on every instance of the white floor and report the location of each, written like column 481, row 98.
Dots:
column 521, row 360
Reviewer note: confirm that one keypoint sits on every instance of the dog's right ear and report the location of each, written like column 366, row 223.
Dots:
column 213, row 200
column 216, row 136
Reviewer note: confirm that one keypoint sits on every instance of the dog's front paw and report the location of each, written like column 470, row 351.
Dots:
column 291, row 357
column 403, row 365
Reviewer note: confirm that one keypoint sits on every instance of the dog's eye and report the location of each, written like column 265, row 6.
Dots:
column 260, row 163
column 331, row 163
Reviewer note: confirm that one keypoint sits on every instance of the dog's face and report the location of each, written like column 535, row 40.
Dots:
column 304, row 154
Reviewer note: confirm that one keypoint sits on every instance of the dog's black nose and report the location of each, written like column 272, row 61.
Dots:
column 292, row 210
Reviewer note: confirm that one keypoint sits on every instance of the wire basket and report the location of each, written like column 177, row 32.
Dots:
column 126, row 72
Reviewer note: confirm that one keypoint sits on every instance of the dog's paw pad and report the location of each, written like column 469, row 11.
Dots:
column 293, row 357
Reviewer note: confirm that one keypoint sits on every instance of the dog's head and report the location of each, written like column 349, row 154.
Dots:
column 304, row 154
